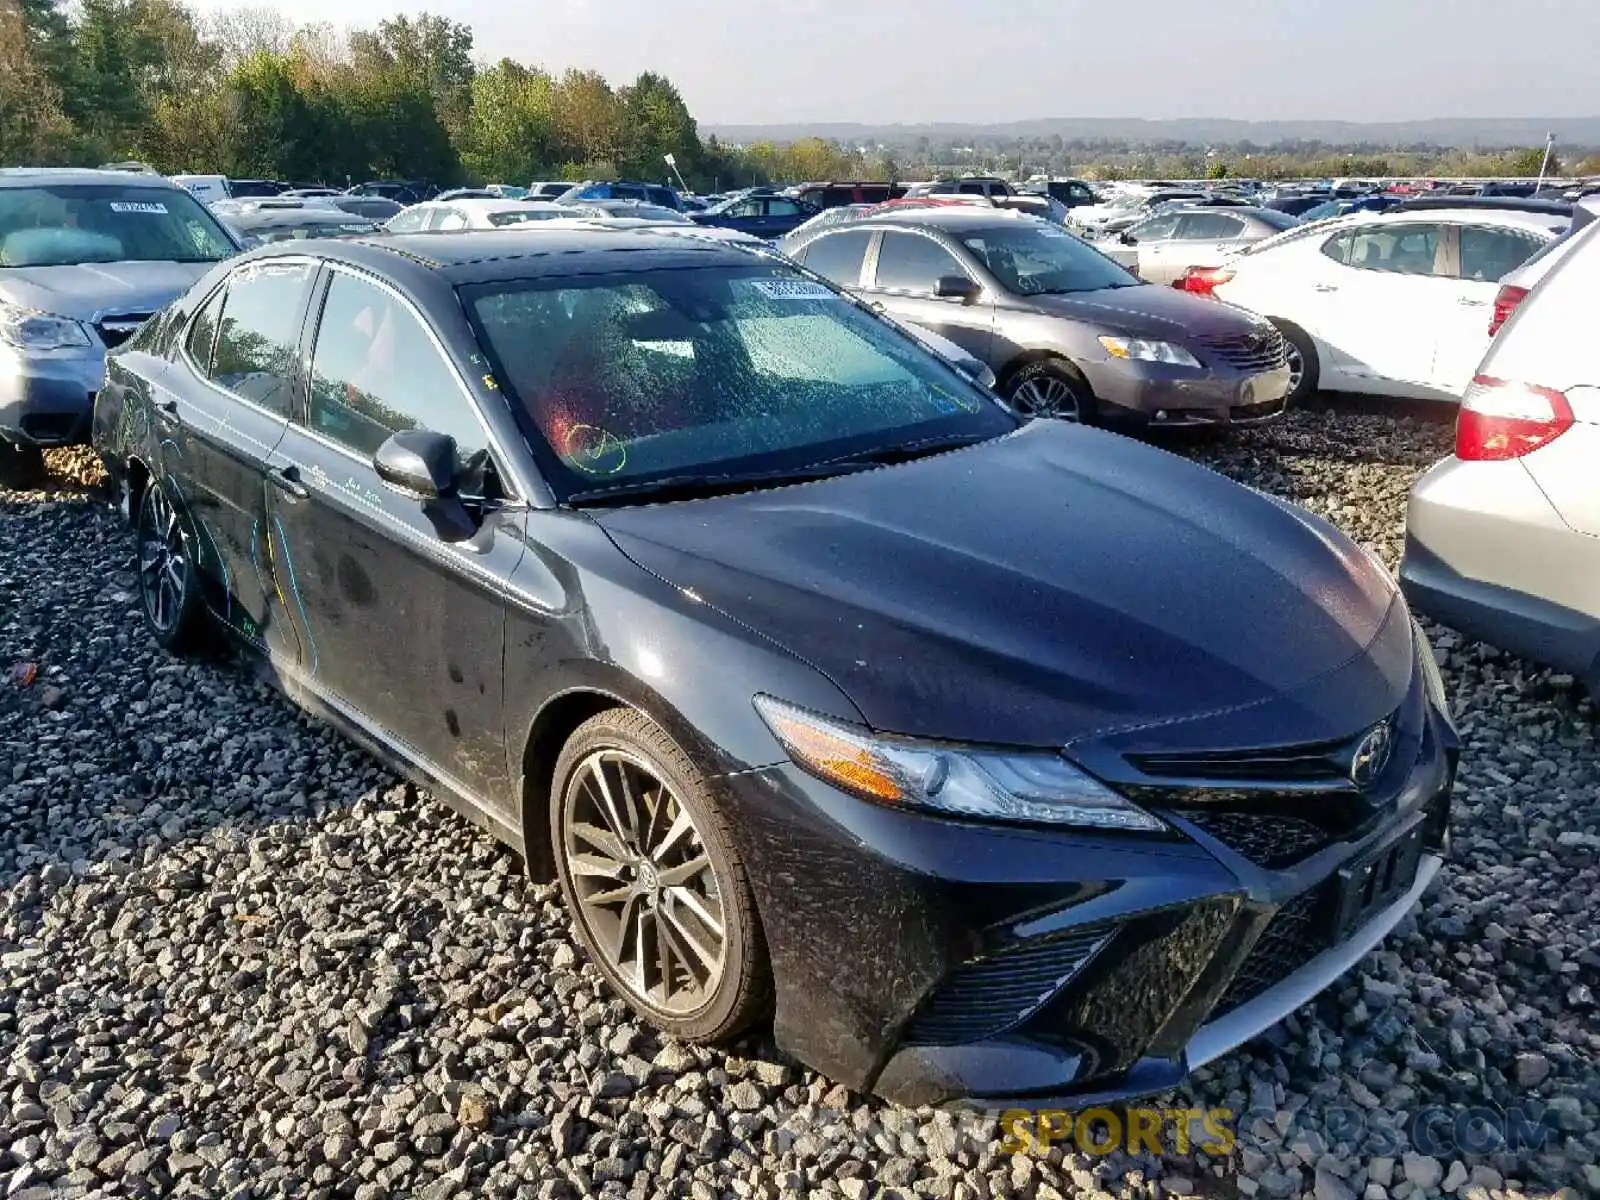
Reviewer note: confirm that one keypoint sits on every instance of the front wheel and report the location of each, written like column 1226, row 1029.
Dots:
column 20, row 466
column 1305, row 370
column 169, row 575
column 1050, row 389
column 657, row 891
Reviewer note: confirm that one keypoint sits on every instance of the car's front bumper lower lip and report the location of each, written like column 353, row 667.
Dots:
column 46, row 399
column 1174, row 397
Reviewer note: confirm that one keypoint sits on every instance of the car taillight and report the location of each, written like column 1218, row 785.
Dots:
column 1202, row 280
column 1505, row 303
column 1501, row 420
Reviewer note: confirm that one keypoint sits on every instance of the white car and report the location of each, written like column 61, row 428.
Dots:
column 445, row 215
column 1397, row 303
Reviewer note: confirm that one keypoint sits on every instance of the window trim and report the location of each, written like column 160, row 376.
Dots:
column 513, row 479
column 877, row 259
column 297, row 378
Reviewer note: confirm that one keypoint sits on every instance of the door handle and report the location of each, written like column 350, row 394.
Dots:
column 1325, row 287
column 875, row 305
column 287, row 479
column 1468, row 302
column 169, row 407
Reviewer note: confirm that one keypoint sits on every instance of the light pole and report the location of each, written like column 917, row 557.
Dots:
column 1549, row 145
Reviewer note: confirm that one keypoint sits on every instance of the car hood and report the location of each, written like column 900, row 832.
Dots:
column 1057, row 584
column 83, row 291
column 1149, row 310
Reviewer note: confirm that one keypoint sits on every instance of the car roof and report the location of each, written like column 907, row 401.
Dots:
column 491, row 204
column 955, row 218
column 33, row 176
column 526, row 252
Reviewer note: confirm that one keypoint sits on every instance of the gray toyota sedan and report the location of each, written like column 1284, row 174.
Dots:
column 1067, row 332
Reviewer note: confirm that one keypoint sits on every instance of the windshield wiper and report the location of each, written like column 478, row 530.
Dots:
column 906, row 451
column 690, row 487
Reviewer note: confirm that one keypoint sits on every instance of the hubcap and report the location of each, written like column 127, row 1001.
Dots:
column 1297, row 368
column 163, row 560
column 1046, row 396
column 644, row 882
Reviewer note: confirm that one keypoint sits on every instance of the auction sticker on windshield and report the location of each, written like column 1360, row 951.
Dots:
column 140, row 206
column 791, row 289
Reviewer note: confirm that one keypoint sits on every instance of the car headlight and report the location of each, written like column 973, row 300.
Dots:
column 989, row 785
column 1432, row 678
column 1143, row 350
column 27, row 329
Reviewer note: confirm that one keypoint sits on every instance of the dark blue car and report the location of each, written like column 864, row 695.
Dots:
column 762, row 214
column 649, row 193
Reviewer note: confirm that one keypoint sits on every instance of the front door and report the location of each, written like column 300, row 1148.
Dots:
column 401, row 626
column 227, row 400
column 909, row 264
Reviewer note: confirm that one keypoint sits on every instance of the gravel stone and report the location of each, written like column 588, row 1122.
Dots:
column 240, row 958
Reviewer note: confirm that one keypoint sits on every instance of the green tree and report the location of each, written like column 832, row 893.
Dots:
column 656, row 122
column 32, row 126
column 511, row 130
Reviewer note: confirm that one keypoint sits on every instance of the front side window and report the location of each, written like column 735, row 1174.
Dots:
column 909, row 262
column 259, row 332
column 625, row 379
column 778, row 207
column 748, row 207
column 375, row 371
column 51, row 225
column 410, row 220
column 1035, row 259
column 1487, row 254
column 1156, row 229
column 838, row 256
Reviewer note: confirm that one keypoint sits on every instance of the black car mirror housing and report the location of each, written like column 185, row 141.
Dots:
column 418, row 462
column 957, row 287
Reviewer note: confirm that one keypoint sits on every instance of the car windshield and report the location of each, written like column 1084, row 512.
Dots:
column 1036, row 259
column 283, row 231
column 50, row 225
column 628, row 379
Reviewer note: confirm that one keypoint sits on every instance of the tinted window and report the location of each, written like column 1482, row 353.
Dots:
column 1402, row 249
column 626, row 191
column 1209, row 226
column 1487, row 254
column 782, row 208
column 1156, row 229
column 912, row 263
column 838, row 256
column 203, row 333
column 375, row 371
column 49, row 225
column 259, row 332
column 974, row 189
column 662, row 196
column 630, row 377
column 1033, row 259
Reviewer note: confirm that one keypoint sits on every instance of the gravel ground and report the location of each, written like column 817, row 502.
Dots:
column 238, row 958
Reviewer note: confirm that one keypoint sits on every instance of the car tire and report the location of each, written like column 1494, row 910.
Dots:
column 168, row 572
column 20, row 466
column 601, row 785
column 1050, row 388
column 1305, row 378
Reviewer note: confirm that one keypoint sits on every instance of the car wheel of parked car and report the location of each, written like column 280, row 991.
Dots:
column 656, row 888
column 1050, row 388
column 169, row 578
column 20, row 466
column 1304, row 369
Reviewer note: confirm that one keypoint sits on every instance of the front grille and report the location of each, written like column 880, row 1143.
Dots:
column 1288, row 943
column 984, row 998
column 114, row 331
column 1317, row 763
column 1264, row 351
column 1265, row 839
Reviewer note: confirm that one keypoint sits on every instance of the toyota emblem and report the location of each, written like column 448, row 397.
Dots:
column 1371, row 755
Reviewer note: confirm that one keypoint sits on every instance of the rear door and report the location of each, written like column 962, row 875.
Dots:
column 402, row 628
column 1480, row 256
column 908, row 265
column 1203, row 239
column 228, row 398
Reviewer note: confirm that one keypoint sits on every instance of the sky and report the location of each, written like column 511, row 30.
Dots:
column 907, row 61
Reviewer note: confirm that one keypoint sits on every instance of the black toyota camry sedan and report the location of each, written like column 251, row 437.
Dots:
column 990, row 760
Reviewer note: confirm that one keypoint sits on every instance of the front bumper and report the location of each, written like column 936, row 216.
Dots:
column 46, row 399
column 935, row 962
column 1157, row 395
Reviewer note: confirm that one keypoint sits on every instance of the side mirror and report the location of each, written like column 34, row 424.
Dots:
column 1127, row 239
column 418, row 462
column 957, row 287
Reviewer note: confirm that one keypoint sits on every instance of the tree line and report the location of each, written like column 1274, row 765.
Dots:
column 249, row 94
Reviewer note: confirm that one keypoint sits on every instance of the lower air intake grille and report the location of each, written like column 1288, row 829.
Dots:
column 1287, row 944
column 986, row 997
column 116, row 330
column 1265, row 839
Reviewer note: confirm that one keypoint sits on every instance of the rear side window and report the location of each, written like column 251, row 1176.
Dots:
column 1209, row 226
column 909, row 262
column 1488, row 254
column 838, row 256
column 259, row 332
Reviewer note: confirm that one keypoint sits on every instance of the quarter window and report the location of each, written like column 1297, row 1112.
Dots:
column 375, row 371
column 259, row 331
column 912, row 263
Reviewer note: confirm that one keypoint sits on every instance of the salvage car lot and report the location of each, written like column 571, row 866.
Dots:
column 236, row 954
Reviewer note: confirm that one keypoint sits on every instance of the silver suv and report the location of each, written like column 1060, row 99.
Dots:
column 85, row 258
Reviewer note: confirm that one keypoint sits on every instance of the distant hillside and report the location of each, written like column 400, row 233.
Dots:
column 1471, row 133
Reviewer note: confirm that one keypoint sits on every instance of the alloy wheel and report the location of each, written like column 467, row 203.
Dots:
column 163, row 560
column 1297, row 367
column 1046, row 396
column 644, row 882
